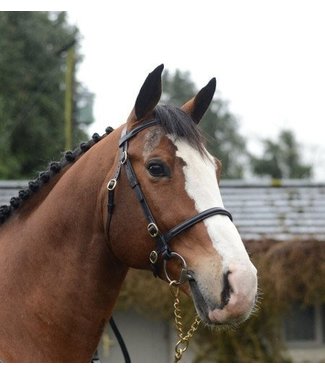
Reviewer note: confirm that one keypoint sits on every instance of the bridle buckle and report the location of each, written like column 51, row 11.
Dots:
column 153, row 257
column 153, row 230
column 111, row 184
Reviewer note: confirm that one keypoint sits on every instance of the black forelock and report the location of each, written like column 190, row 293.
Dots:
column 178, row 123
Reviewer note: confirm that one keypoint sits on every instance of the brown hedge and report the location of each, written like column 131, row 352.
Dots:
column 288, row 271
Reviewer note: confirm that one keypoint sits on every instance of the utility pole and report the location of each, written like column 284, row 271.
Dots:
column 69, row 91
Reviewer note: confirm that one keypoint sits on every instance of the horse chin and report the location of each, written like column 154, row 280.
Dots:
column 212, row 315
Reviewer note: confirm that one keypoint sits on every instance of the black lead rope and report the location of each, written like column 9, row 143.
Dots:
column 120, row 340
column 117, row 333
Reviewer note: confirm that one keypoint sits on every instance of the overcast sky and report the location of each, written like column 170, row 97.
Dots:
column 268, row 58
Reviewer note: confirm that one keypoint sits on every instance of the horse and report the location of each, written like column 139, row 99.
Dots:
column 144, row 195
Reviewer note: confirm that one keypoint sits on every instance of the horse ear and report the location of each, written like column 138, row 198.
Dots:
column 197, row 106
column 149, row 95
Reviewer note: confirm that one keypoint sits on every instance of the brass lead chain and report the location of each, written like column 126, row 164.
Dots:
column 184, row 339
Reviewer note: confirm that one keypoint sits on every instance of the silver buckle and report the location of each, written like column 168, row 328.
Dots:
column 111, row 184
column 153, row 257
column 153, row 230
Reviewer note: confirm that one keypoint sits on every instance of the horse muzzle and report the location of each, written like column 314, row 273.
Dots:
column 233, row 303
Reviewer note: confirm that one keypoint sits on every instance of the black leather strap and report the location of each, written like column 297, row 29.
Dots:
column 194, row 220
column 162, row 245
column 137, row 130
column 120, row 340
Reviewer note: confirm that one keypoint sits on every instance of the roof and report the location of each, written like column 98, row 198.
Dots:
column 292, row 209
column 10, row 189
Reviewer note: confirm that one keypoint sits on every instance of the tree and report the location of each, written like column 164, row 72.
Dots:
column 219, row 126
column 32, row 77
column 281, row 159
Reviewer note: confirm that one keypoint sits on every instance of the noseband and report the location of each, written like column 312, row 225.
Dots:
column 163, row 249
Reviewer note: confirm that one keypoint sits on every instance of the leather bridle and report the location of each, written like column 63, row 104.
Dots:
column 163, row 249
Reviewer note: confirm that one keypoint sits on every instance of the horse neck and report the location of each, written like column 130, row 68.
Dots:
column 59, row 271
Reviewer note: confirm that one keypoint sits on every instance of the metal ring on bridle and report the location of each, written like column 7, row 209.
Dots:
column 111, row 184
column 183, row 274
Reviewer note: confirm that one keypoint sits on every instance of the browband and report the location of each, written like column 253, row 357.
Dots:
column 124, row 138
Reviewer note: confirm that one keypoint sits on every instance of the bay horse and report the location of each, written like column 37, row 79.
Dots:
column 144, row 196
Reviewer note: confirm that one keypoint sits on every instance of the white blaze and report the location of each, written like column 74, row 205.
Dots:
column 202, row 186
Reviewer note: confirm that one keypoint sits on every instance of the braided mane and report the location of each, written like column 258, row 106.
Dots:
column 173, row 121
column 44, row 177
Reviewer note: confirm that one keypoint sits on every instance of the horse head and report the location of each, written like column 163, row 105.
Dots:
column 170, row 169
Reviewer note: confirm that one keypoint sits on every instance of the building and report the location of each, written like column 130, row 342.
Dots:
column 291, row 212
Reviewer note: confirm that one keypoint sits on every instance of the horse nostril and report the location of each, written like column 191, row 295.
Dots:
column 227, row 290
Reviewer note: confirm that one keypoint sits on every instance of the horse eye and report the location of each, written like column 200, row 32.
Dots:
column 157, row 169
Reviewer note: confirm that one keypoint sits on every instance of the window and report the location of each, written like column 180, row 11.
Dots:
column 304, row 326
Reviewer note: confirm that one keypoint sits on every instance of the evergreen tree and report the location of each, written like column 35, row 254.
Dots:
column 32, row 78
column 218, row 125
column 281, row 159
